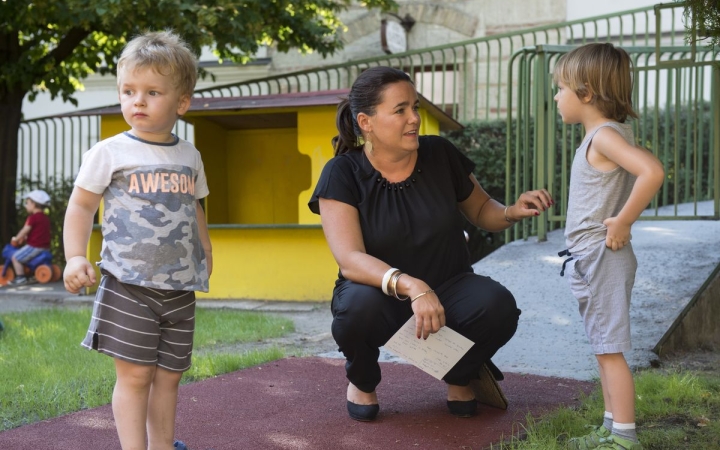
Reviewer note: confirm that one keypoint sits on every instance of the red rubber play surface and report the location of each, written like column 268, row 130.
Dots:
column 299, row 403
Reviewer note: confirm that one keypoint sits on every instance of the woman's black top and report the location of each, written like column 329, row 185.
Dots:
column 414, row 225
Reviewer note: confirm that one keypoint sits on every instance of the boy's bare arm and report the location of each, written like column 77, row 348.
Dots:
column 204, row 236
column 76, row 234
column 22, row 234
column 650, row 176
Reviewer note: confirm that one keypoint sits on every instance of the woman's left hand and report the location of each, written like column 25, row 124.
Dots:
column 530, row 204
column 429, row 315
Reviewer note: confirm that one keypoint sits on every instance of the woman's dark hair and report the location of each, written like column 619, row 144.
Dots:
column 365, row 94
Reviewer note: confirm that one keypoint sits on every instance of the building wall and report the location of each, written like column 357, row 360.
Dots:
column 438, row 23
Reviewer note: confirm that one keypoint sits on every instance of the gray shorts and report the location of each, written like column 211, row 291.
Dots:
column 602, row 281
column 142, row 325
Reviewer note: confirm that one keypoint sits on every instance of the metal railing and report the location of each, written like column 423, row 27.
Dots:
column 468, row 79
column 676, row 98
column 488, row 78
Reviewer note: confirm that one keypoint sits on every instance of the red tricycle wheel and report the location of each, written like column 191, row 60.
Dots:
column 43, row 274
column 56, row 273
column 8, row 277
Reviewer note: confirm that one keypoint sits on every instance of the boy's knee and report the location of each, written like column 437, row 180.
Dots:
column 135, row 376
column 167, row 379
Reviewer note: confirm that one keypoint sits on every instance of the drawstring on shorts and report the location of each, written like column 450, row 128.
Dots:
column 565, row 252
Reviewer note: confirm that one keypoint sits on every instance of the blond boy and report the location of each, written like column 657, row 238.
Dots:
column 156, row 249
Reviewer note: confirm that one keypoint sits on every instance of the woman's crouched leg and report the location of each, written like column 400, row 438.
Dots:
column 482, row 310
column 364, row 319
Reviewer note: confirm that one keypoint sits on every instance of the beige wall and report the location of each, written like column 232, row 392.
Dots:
column 437, row 23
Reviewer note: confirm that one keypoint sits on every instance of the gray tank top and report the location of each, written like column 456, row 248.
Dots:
column 595, row 195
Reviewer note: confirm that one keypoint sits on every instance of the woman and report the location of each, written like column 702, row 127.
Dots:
column 393, row 207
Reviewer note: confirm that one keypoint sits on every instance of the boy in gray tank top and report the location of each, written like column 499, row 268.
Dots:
column 612, row 181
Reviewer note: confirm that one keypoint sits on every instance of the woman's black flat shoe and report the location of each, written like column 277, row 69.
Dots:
column 362, row 413
column 462, row 408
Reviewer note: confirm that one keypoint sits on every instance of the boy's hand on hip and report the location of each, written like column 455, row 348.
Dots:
column 618, row 233
column 78, row 273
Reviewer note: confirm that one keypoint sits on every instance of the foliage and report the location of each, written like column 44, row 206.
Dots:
column 680, row 136
column 46, row 373
column 59, row 191
column 484, row 143
column 688, row 176
column 703, row 19
column 54, row 45
column 51, row 46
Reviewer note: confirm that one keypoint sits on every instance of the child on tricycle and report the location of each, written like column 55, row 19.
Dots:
column 29, row 250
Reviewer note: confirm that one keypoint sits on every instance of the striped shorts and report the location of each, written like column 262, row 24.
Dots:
column 142, row 325
column 26, row 253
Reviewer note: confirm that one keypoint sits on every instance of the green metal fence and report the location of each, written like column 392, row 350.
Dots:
column 468, row 79
column 489, row 78
column 677, row 99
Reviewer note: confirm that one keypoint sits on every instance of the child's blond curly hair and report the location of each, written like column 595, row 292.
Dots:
column 165, row 53
column 602, row 72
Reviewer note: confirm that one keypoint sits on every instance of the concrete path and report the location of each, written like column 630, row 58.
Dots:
column 674, row 260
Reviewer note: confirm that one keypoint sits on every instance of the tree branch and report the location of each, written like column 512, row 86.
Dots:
column 64, row 49
column 68, row 44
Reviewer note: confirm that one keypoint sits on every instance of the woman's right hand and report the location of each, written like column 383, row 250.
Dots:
column 429, row 315
column 78, row 273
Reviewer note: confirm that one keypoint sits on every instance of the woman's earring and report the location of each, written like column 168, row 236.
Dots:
column 368, row 145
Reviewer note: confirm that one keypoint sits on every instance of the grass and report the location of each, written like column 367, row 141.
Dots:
column 46, row 373
column 676, row 410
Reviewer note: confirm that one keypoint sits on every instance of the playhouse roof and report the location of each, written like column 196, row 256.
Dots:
column 291, row 100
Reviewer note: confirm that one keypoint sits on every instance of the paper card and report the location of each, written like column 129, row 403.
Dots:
column 435, row 355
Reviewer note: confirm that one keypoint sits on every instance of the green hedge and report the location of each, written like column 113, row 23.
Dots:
column 485, row 143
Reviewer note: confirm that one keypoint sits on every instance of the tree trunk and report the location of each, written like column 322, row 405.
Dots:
column 10, row 112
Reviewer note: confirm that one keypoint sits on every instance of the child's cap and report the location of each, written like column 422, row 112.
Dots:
column 39, row 196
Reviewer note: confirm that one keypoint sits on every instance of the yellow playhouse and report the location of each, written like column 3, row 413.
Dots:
column 262, row 157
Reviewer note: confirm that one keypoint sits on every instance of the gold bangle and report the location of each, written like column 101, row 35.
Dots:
column 507, row 219
column 420, row 295
column 393, row 286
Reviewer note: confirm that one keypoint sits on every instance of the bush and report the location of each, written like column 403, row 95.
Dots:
column 59, row 191
column 484, row 143
column 689, row 175
column 686, row 178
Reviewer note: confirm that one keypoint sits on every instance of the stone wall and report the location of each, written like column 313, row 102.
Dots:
column 436, row 23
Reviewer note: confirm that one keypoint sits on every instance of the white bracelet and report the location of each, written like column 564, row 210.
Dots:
column 386, row 280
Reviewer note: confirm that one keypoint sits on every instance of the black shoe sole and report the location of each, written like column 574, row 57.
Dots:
column 460, row 408
column 362, row 413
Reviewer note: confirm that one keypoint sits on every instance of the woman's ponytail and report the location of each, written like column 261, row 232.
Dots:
column 347, row 139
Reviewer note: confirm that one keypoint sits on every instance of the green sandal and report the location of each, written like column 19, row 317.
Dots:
column 614, row 442
column 589, row 441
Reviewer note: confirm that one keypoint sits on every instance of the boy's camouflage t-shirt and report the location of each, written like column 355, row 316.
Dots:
column 149, row 223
